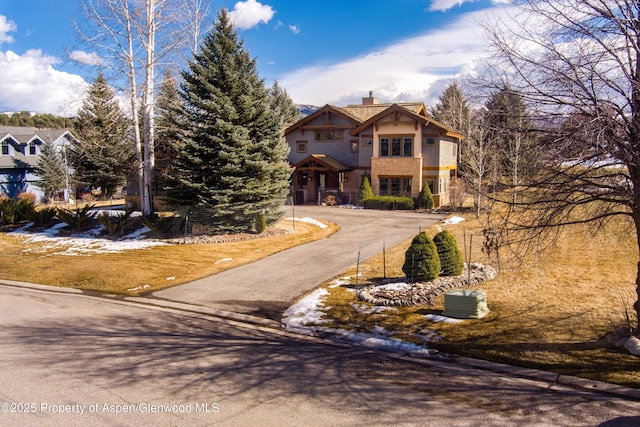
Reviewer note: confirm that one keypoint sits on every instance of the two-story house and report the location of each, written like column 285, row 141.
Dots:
column 20, row 149
column 397, row 145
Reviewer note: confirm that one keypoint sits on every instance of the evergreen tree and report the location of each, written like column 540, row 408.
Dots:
column 230, row 157
column 283, row 106
column 452, row 109
column 103, row 154
column 421, row 261
column 451, row 262
column 51, row 171
column 365, row 192
column 425, row 198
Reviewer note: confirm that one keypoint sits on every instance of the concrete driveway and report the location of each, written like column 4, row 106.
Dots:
column 267, row 287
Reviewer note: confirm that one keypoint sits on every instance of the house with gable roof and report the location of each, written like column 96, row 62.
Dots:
column 397, row 145
column 20, row 149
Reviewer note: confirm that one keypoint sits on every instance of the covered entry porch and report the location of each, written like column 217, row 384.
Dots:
column 316, row 176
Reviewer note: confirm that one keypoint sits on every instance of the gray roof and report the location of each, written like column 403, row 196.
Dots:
column 24, row 135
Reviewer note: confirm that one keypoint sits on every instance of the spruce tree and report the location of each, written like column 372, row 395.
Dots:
column 451, row 262
column 231, row 158
column 421, row 261
column 51, row 171
column 425, row 198
column 365, row 191
column 283, row 106
column 103, row 153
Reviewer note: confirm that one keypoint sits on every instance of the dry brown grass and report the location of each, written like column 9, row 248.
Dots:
column 548, row 312
column 157, row 267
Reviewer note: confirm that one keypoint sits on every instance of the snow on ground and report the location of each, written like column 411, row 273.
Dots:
column 309, row 221
column 83, row 244
column 453, row 220
column 307, row 316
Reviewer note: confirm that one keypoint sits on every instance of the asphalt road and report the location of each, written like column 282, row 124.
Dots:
column 63, row 353
column 266, row 288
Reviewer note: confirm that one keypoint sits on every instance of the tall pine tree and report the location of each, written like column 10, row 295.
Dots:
column 230, row 157
column 103, row 153
column 283, row 106
column 51, row 171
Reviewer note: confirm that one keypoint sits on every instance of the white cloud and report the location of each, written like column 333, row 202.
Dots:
column 294, row 29
column 88, row 58
column 30, row 83
column 409, row 70
column 6, row 27
column 249, row 13
column 444, row 5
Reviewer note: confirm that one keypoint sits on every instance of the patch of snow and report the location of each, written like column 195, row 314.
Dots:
column 224, row 260
column 397, row 286
column 309, row 221
column 309, row 310
column 171, row 278
column 340, row 282
column 85, row 243
column 137, row 288
column 367, row 309
column 453, row 220
column 442, row 319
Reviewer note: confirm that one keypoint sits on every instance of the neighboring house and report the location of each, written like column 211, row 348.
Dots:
column 19, row 154
column 398, row 146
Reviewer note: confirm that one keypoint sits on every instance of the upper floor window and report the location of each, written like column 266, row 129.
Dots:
column 33, row 148
column 5, row 147
column 301, row 146
column 396, row 146
column 394, row 187
column 329, row 135
column 429, row 140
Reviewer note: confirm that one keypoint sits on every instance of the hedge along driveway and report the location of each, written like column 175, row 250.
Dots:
column 267, row 287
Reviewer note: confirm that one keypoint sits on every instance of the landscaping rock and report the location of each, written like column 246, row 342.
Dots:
column 424, row 293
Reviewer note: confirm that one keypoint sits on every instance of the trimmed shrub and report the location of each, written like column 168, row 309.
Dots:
column 43, row 215
column 421, row 261
column 365, row 192
column 451, row 261
column 389, row 203
column 425, row 198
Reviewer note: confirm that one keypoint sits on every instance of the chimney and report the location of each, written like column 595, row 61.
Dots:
column 370, row 100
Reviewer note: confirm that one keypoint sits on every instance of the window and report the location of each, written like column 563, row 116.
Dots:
column 355, row 147
column 5, row 147
column 395, row 186
column 429, row 140
column 384, row 147
column 301, row 146
column 367, row 140
column 407, row 148
column 33, row 148
column 329, row 135
column 396, row 146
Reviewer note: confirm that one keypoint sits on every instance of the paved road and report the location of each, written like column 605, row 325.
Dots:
column 266, row 288
column 65, row 351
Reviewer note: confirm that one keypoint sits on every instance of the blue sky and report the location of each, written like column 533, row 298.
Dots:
column 330, row 51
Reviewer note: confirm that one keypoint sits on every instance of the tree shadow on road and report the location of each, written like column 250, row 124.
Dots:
column 189, row 357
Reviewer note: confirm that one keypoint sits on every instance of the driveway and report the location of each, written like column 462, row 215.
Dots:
column 267, row 287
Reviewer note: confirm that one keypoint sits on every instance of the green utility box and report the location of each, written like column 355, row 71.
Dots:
column 465, row 304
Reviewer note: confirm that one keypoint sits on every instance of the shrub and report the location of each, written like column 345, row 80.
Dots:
column 365, row 192
column 77, row 218
column 421, row 261
column 425, row 198
column 451, row 262
column 114, row 223
column 330, row 200
column 389, row 203
column 28, row 196
column 13, row 211
column 261, row 224
column 43, row 216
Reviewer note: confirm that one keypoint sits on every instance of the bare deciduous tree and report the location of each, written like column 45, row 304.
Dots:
column 577, row 65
